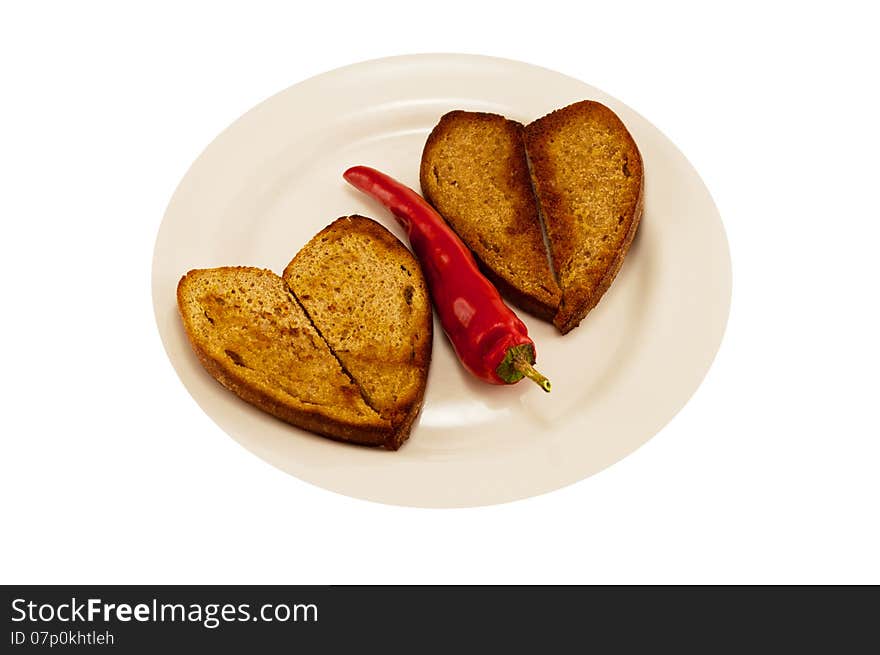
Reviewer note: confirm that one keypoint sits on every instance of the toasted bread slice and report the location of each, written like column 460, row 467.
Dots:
column 365, row 293
column 588, row 178
column 474, row 172
column 255, row 339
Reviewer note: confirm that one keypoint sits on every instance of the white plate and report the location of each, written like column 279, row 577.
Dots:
column 272, row 180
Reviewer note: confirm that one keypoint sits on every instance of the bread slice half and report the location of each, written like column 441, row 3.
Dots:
column 474, row 172
column 352, row 365
column 250, row 334
column 588, row 178
column 365, row 293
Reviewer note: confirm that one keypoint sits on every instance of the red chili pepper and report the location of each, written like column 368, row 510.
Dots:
column 488, row 337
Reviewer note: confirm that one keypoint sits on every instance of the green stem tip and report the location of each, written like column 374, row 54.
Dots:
column 517, row 364
column 524, row 367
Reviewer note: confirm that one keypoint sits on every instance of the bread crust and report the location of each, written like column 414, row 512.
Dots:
column 581, row 295
column 542, row 302
column 522, row 299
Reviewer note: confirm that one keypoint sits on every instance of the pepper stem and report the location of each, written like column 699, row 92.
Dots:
column 525, row 367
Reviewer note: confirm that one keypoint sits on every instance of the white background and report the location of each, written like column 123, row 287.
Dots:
column 110, row 473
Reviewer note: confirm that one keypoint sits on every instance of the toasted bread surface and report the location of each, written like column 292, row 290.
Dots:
column 588, row 178
column 365, row 293
column 475, row 173
column 254, row 338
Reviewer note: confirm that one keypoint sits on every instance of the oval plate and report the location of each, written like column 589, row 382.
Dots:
column 273, row 179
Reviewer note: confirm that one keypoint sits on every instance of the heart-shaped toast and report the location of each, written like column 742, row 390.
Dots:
column 575, row 173
column 339, row 346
